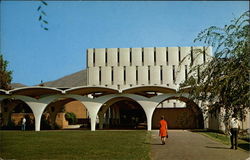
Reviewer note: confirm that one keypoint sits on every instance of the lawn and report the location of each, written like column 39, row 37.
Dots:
column 70, row 145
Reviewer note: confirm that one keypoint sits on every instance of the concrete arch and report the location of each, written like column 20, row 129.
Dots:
column 196, row 109
column 3, row 92
column 35, row 91
column 92, row 105
column 106, row 105
column 83, row 90
column 147, row 105
column 149, row 88
column 14, row 101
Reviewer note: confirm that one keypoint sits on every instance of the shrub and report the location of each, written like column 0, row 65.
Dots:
column 70, row 117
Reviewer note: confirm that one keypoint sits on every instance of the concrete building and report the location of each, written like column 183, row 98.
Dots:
column 126, row 88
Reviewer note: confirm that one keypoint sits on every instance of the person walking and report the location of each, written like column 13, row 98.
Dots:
column 163, row 133
column 234, row 129
column 23, row 124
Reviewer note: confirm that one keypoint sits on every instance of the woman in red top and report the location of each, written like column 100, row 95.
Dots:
column 163, row 130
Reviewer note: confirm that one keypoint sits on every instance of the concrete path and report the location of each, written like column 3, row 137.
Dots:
column 185, row 145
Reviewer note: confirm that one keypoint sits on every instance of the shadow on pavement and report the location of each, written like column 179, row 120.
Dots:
column 244, row 146
column 217, row 147
column 152, row 143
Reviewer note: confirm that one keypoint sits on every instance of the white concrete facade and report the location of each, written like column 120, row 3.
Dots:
column 121, row 68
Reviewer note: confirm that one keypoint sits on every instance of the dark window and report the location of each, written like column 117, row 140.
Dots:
column 106, row 56
column 179, row 53
column 154, row 56
column 192, row 54
column 167, row 55
column 148, row 74
column 174, row 105
column 100, row 75
column 204, row 54
column 124, row 74
column 52, row 109
column 118, row 57
column 161, row 74
column 94, row 57
column 130, row 56
column 112, row 75
column 198, row 73
column 174, row 73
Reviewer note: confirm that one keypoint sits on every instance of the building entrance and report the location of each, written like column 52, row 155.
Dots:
column 125, row 114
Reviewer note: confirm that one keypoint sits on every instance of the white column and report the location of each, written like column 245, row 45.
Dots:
column 37, row 109
column 93, row 108
column 148, row 107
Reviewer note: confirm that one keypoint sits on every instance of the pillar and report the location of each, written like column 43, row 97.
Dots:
column 37, row 109
column 149, row 107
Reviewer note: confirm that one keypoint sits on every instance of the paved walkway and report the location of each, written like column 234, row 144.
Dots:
column 185, row 145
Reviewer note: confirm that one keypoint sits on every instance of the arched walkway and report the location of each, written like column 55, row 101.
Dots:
column 93, row 98
column 179, row 117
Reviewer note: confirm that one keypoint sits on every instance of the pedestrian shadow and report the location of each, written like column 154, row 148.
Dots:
column 217, row 147
column 245, row 146
column 152, row 143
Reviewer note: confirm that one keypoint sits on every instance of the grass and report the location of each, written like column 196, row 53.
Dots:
column 245, row 145
column 78, row 145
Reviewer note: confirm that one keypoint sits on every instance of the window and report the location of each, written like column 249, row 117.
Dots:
column 118, row 57
column 130, row 56
column 100, row 75
column 174, row 78
column 192, row 54
column 148, row 74
column 179, row 53
column 106, row 56
column 112, row 75
column 161, row 75
column 204, row 54
column 154, row 56
column 94, row 57
column 124, row 74
column 186, row 72
column 167, row 55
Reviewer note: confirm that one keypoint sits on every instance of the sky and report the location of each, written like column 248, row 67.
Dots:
column 35, row 54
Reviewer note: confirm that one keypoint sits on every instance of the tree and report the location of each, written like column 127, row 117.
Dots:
column 42, row 15
column 223, row 81
column 5, row 75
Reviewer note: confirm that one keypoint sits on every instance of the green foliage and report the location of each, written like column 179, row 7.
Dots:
column 45, row 123
column 70, row 117
column 42, row 15
column 5, row 75
column 223, row 81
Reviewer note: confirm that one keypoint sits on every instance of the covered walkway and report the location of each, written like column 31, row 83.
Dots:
column 93, row 98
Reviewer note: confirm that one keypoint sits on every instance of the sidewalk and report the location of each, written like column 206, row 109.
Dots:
column 185, row 145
